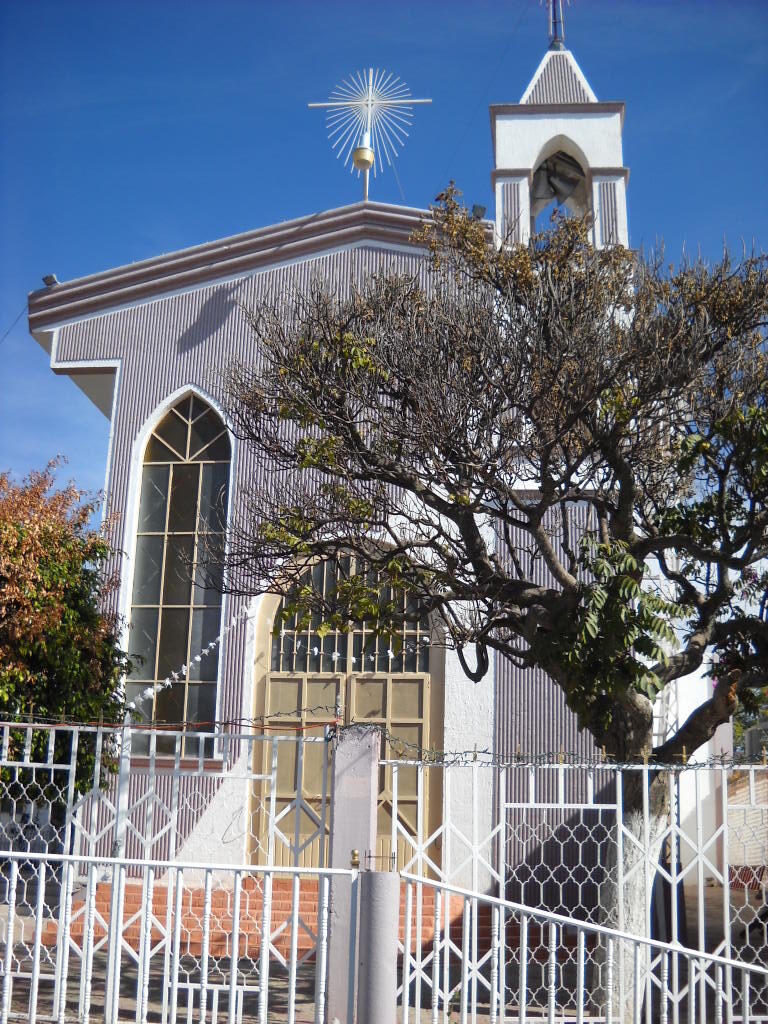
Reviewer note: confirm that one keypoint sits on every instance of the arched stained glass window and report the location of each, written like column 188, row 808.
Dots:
column 176, row 603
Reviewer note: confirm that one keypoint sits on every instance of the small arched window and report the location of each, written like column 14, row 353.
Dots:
column 176, row 602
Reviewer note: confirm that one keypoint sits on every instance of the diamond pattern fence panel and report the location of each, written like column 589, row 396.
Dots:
column 638, row 980
column 582, row 841
column 124, row 876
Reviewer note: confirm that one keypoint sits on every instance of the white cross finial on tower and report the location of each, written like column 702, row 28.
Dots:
column 370, row 112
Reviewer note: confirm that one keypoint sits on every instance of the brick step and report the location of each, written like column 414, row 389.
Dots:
column 193, row 903
column 246, row 906
column 247, row 899
column 218, row 904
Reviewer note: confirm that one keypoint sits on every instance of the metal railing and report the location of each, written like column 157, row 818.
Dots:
column 163, row 793
column 554, row 836
column 162, row 941
column 150, row 874
column 488, row 958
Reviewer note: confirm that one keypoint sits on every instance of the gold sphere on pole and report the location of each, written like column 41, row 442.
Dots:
column 362, row 158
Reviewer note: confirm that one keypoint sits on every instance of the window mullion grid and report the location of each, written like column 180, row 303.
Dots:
column 189, row 623
column 347, row 677
column 350, row 677
column 387, row 709
column 189, row 431
column 304, row 698
column 176, row 541
column 191, row 603
column 156, row 672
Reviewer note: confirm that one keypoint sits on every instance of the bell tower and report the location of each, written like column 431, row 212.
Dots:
column 559, row 145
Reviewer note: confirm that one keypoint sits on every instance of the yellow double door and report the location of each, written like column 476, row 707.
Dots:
column 406, row 707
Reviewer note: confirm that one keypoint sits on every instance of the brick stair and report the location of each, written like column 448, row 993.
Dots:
column 193, row 902
column 220, row 928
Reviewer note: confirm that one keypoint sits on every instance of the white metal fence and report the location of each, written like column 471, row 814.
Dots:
column 553, row 837
column 533, row 953
column 221, row 943
column 146, row 874
column 157, row 875
column 162, row 793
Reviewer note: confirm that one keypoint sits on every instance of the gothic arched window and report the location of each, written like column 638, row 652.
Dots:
column 176, row 604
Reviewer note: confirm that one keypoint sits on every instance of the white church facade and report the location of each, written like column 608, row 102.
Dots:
column 147, row 343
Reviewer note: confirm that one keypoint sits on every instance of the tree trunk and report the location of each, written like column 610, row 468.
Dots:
column 626, row 892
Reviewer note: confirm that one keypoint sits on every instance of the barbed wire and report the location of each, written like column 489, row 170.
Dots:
column 422, row 755
column 407, row 753
column 548, row 759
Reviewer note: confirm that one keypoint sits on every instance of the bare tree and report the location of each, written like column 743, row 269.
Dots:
column 543, row 405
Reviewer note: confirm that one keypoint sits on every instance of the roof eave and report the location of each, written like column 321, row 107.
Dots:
column 225, row 258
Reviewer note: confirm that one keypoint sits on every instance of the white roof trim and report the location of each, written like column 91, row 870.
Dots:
column 214, row 281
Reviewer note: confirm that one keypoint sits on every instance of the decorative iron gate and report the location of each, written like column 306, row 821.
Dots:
column 146, row 886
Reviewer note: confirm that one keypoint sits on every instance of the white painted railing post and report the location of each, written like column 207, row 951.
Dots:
column 354, row 792
column 115, row 924
column 62, row 943
column 377, row 957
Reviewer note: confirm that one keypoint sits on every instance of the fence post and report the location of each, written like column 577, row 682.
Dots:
column 377, row 960
column 354, row 793
column 114, row 936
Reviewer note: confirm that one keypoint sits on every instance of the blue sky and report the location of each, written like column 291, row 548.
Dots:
column 133, row 129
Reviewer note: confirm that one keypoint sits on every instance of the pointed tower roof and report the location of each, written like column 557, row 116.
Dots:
column 558, row 79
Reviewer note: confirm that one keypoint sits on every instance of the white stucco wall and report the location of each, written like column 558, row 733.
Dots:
column 221, row 834
column 521, row 138
column 592, row 138
column 700, row 792
column 469, row 722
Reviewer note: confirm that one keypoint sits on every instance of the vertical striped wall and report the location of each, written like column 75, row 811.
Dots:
column 189, row 338
column 512, row 227
column 559, row 82
column 609, row 218
column 531, row 710
column 167, row 344
column 551, row 855
column 176, row 803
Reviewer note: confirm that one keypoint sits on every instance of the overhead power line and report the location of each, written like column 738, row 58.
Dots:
column 22, row 311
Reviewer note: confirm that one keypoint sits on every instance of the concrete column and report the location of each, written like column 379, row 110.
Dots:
column 469, row 721
column 377, row 956
column 354, row 793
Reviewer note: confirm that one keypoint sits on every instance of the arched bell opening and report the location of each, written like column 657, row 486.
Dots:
column 559, row 182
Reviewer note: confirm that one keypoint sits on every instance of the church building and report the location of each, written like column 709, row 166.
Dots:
column 147, row 342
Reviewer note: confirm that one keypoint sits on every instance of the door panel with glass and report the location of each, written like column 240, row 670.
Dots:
column 317, row 679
